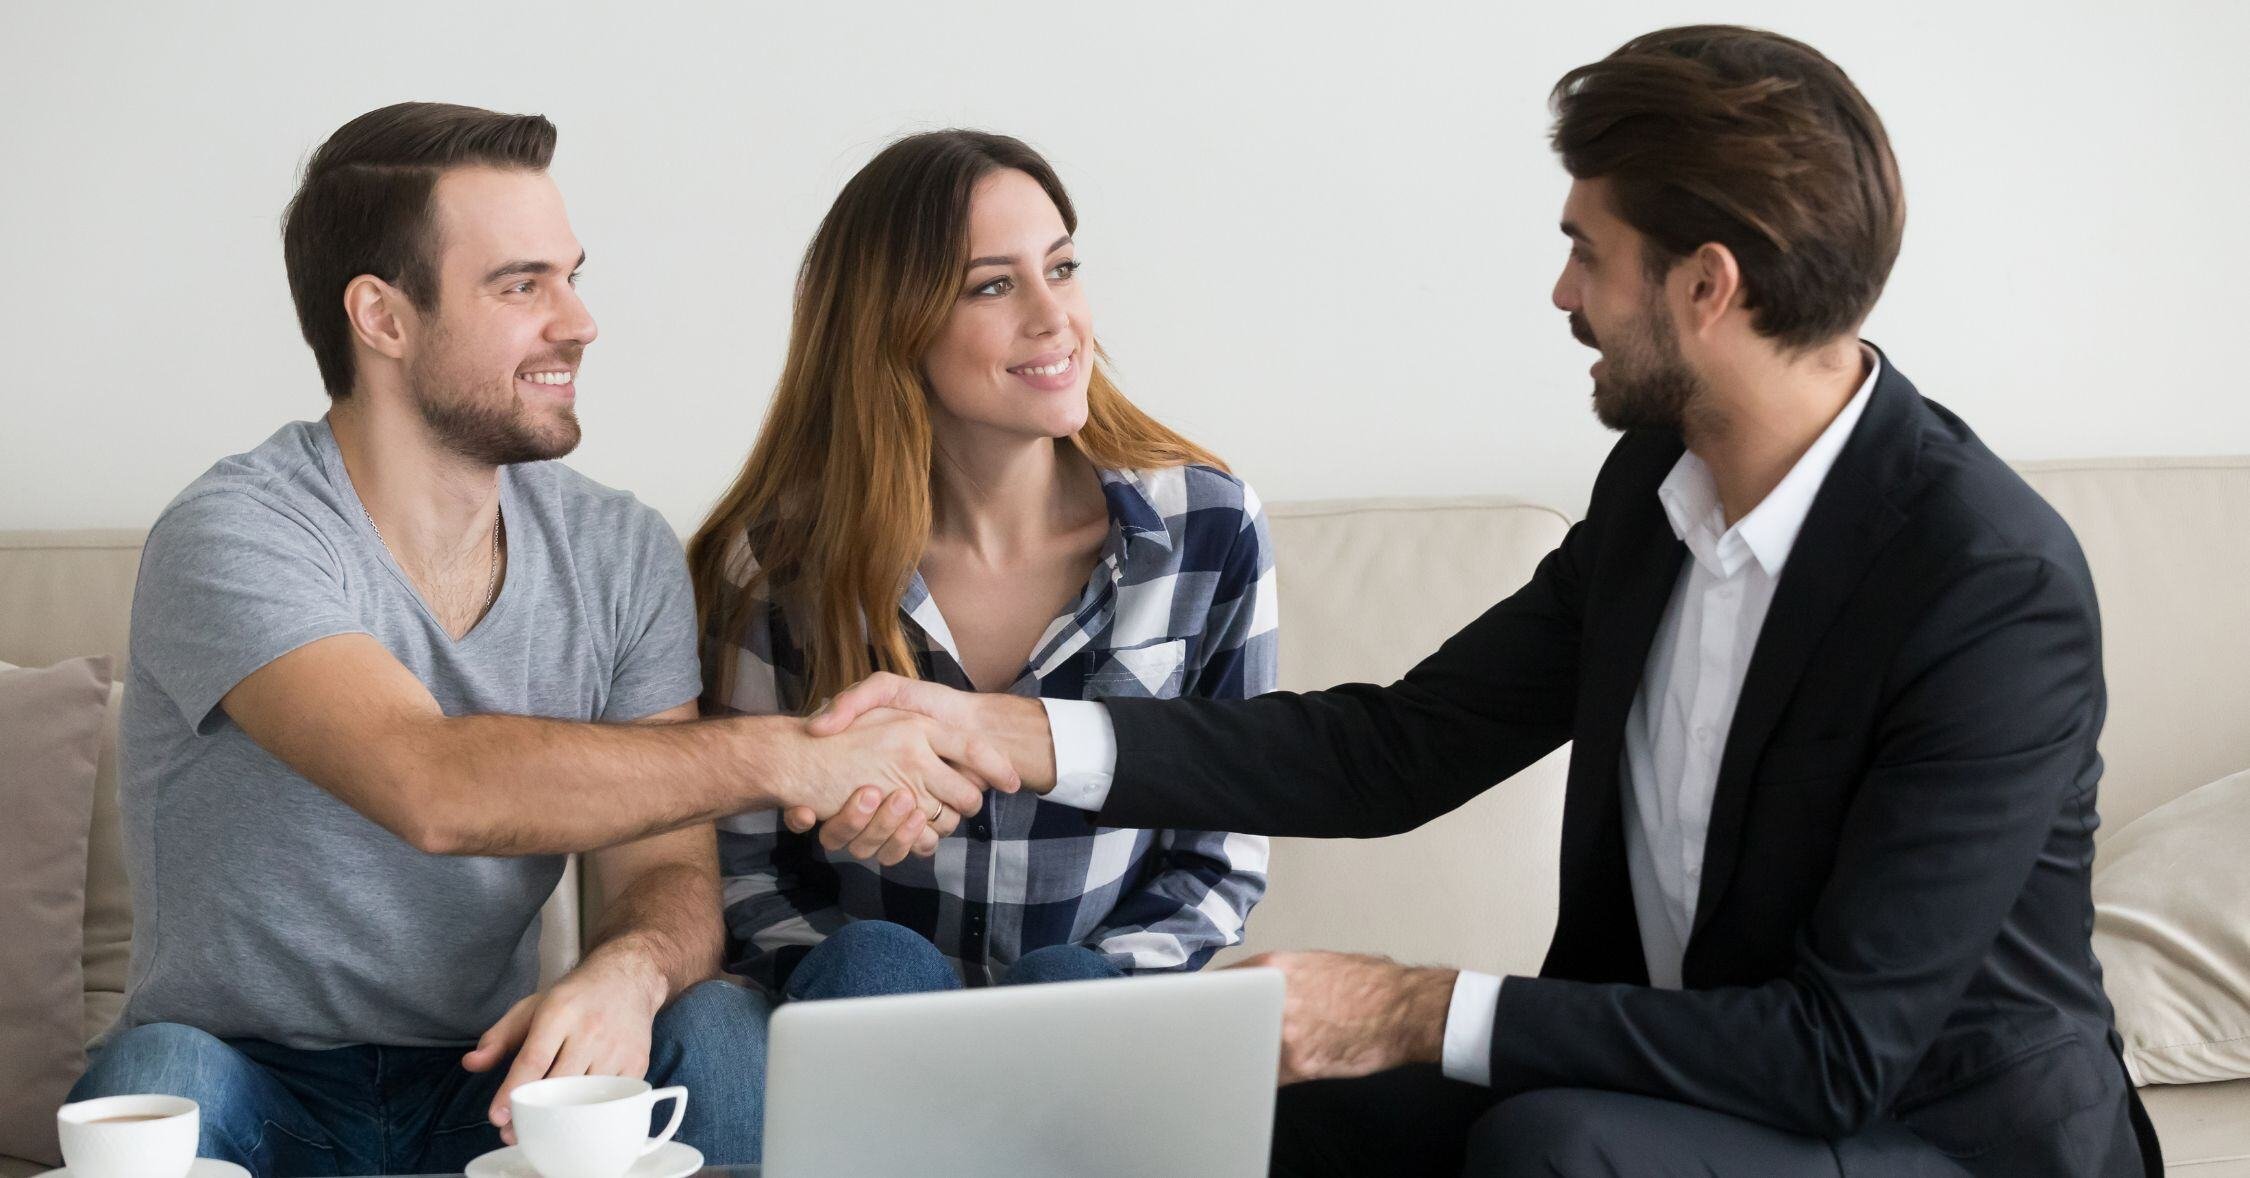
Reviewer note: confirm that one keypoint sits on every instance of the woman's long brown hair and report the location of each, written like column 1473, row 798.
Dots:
column 834, row 501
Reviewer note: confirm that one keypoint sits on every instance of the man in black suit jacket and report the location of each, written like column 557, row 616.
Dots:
column 1833, row 677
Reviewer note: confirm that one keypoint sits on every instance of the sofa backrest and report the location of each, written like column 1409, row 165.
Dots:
column 64, row 594
column 2169, row 543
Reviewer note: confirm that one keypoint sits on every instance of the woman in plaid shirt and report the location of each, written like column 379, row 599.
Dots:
column 948, row 486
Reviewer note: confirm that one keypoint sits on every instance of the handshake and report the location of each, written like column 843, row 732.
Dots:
column 892, row 765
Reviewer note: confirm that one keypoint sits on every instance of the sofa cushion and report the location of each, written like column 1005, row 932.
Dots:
column 2172, row 929
column 2205, row 1131
column 50, row 742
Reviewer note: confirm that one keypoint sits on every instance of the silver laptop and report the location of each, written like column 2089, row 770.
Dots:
column 1138, row 1076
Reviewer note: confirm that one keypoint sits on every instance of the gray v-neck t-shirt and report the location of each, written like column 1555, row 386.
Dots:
column 263, row 906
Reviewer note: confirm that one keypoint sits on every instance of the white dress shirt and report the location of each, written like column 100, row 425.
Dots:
column 1674, row 735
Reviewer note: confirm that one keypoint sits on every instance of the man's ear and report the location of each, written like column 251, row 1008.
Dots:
column 1714, row 285
column 381, row 315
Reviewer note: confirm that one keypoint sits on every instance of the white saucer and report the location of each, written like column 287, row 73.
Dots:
column 671, row 1160
column 203, row 1168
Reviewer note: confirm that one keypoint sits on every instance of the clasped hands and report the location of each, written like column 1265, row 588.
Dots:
column 895, row 764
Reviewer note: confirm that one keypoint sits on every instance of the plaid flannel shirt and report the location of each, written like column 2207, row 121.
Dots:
column 1182, row 603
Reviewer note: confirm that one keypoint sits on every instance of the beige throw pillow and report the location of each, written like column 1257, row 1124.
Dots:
column 2172, row 929
column 50, row 748
column 109, row 895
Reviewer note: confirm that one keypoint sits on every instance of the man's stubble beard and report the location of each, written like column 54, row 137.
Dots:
column 486, row 423
column 1646, row 383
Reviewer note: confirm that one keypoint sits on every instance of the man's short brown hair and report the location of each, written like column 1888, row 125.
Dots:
column 1715, row 133
column 364, row 208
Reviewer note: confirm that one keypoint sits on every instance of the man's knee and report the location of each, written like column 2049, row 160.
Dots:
column 869, row 957
column 712, row 1041
column 711, row 1015
column 171, row 1059
column 1551, row 1133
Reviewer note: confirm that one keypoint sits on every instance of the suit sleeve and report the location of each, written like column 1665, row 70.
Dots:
column 1360, row 760
column 1990, row 729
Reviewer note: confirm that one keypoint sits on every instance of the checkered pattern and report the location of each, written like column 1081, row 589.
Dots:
column 1181, row 604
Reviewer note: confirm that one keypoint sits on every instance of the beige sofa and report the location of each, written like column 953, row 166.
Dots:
column 1369, row 586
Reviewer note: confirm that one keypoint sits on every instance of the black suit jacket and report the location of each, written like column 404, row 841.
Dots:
column 1894, row 911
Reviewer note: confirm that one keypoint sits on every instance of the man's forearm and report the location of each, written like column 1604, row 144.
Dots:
column 665, row 926
column 520, row 785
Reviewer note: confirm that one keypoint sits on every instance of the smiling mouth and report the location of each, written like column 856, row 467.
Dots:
column 549, row 379
column 1057, row 368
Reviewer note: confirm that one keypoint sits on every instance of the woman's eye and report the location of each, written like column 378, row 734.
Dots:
column 1065, row 271
column 998, row 286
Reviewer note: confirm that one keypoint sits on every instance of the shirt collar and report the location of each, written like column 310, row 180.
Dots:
column 1132, row 510
column 1691, row 497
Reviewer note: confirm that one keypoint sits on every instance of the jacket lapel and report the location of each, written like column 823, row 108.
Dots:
column 1643, row 569
column 1637, row 565
column 1851, row 519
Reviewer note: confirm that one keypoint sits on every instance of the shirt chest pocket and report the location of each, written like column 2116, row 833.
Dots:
column 1154, row 671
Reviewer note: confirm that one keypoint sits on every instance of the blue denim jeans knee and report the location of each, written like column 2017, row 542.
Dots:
column 712, row 1041
column 1060, row 963
column 241, row 1105
column 871, row 957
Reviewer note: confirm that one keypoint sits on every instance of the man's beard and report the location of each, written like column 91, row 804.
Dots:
column 489, row 425
column 1645, row 382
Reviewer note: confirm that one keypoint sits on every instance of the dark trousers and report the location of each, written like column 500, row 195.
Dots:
column 1414, row 1122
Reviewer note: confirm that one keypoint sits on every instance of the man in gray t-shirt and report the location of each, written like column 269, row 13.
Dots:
column 391, row 667
column 269, row 908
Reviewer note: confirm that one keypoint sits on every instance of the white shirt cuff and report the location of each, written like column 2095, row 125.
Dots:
column 1085, row 752
column 1468, row 1028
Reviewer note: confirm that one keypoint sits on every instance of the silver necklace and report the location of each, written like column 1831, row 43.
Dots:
column 492, row 586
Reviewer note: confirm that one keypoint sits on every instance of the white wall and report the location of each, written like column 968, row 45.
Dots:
column 1320, row 237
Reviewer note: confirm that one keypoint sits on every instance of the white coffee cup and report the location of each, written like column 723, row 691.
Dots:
column 129, row 1136
column 590, row 1126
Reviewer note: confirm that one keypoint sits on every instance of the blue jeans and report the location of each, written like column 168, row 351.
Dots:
column 870, row 957
column 281, row 1112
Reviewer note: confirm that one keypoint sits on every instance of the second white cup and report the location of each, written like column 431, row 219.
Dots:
column 590, row 1126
